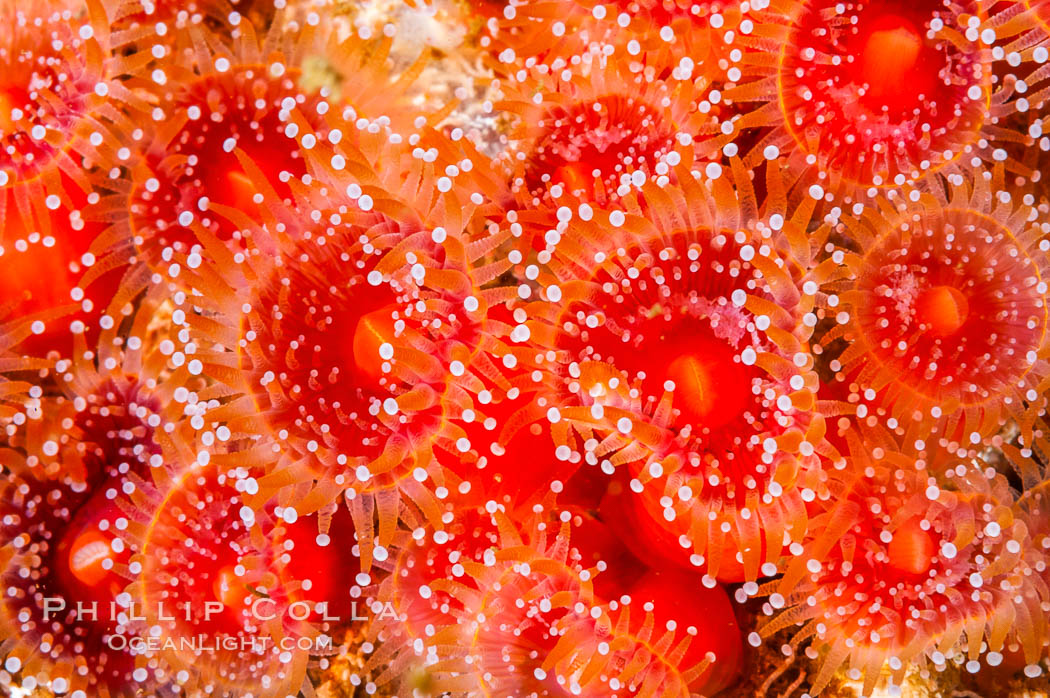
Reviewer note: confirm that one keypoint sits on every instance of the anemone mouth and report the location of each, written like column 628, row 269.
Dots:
column 598, row 141
column 85, row 557
column 873, row 91
column 953, row 307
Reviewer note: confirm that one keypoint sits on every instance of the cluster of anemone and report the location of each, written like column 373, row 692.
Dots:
column 502, row 360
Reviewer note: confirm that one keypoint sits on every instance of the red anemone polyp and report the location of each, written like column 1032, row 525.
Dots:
column 682, row 362
column 947, row 313
column 62, row 551
column 333, row 342
column 872, row 91
column 66, row 532
column 903, row 572
column 211, row 566
column 54, row 76
column 587, row 143
column 62, row 104
column 512, row 611
column 360, row 376
column 599, row 134
column 672, row 313
column 892, row 60
column 340, row 328
column 224, row 139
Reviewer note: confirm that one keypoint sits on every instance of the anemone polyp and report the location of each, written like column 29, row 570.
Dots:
column 907, row 570
column 194, row 167
column 874, row 92
column 680, row 356
column 61, row 99
column 518, row 616
column 62, row 551
column 62, row 104
column 340, row 327
column 599, row 133
column 215, row 107
column 64, row 548
column 211, row 565
column 344, row 382
column 947, row 312
column 65, row 532
column 52, row 65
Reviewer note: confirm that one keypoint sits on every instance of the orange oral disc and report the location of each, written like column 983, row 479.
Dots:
column 911, row 550
column 888, row 56
column 711, row 389
column 87, row 555
column 228, row 589
column 242, row 191
column 373, row 331
column 943, row 309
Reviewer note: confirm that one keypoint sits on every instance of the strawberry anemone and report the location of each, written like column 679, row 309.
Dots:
column 903, row 571
column 60, row 105
column 61, row 550
column 107, row 411
column 233, row 126
column 209, row 565
column 945, row 313
column 600, row 131
column 66, row 534
column 598, row 125
column 223, row 134
column 509, row 610
column 63, row 108
column 430, row 555
column 680, row 351
column 339, row 329
column 873, row 92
